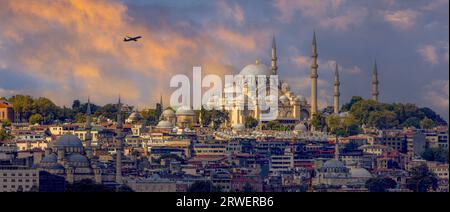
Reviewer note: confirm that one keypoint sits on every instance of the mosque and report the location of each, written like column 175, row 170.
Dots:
column 293, row 110
column 68, row 157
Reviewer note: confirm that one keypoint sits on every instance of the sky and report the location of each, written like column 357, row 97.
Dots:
column 72, row 49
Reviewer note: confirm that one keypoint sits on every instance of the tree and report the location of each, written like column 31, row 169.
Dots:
column 4, row 135
column 6, row 123
column 109, row 111
column 36, row 119
column 380, row 184
column 383, row 120
column 348, row 106
column 218, row 118
column 206, row 117
column 318, row 121
column 76, row 105
column 427, row 123
column 429, row 113
column 46, row 108
column 389, row 116
column 150, row 117
column 422, row 179
column 203, row 186
column 250, row 122
column 23, row 105
column 436, row 154
column 333, row 122
column 412, row 122
column 342, row 126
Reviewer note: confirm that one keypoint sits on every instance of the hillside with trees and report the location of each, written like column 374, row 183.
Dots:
column 359, row 112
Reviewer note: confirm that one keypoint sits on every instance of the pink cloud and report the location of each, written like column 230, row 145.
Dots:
column 429, row 54
column 403, row 19
column 81, row 51
column 437, row 94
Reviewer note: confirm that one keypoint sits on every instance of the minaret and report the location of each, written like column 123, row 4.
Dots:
column 337, row 92
column 88, row 128
column 119, row 143
column 274, row 57
column 314, row 76
column 161, row 102
column 375, row 83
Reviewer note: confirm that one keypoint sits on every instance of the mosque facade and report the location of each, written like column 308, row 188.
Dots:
column 292, row 110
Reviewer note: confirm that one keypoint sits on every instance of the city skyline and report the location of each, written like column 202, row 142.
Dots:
column 82, row 54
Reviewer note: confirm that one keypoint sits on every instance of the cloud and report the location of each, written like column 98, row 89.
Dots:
column 435, row 53
column 437, row 94
column 403, row 19
column 353, row 70
column 429, row 54
column 245, row 41
column 233, row 12
column 301, row 61
column 74, row 49
column 336, row 14
column 344, row 21
column 436, row 4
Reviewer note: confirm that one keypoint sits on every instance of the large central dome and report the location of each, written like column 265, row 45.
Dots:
column 256, row 69
column 68, row 141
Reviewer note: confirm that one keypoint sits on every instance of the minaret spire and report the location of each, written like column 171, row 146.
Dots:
column 314, row 76
column 119, row 114
column 119, row 143
column 375, row 82
column 337, row 92
column 274, row 57
column 88, row 128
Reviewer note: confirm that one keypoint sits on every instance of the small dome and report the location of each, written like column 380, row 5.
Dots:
column 360, row 173
column 185, row 111
column 256, row 70
column 333, row 164
column 77, row 158
column 300, row 128
column 135, row 116
column 168, row 113
column 68, row 141
column 164, row 125
column 52, row 158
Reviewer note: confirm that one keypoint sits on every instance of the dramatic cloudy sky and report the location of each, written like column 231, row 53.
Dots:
column 70, row 49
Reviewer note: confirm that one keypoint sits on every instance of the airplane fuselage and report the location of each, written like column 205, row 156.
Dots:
column 135, row 39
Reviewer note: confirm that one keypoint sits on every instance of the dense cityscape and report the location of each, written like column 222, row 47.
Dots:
column 365, row 145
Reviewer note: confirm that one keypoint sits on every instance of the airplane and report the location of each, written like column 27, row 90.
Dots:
column 135, row 39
